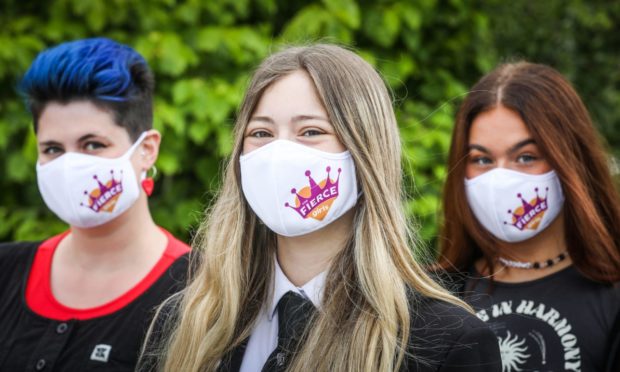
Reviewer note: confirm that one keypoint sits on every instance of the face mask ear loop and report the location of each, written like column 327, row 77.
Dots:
column 135, row 145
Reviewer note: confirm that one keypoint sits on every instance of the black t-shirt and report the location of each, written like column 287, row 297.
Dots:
column 562, row 322
column 30, row 342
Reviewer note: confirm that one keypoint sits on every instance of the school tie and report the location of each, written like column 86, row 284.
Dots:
column 294, row 312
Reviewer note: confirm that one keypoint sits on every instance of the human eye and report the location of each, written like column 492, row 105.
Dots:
column 312, row 132
column 92, row 146
column 259, row 133
column 52, row 150
column 526, row 158
column 480, row 160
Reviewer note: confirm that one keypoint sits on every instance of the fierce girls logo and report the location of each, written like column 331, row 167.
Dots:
column 105, row 195
column 529, row 214
column 316, row 199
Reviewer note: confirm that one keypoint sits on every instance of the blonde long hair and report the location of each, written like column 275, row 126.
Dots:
column 364, row 321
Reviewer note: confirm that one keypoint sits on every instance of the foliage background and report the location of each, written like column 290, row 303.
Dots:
column 202, row 53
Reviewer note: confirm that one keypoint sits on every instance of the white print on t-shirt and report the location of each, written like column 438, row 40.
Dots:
column 101, row 353
column 513, row 354
column 513, row 351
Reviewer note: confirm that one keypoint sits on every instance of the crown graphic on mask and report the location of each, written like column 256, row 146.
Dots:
column 105, row 195
column 529, row 214
column 315, row 200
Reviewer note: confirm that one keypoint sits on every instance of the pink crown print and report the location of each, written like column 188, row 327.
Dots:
column 104, row 196
column 529, row 214
column 316, row 199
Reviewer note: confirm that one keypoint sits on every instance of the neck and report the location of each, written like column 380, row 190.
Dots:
column 549, row 244
column 131, row 234
column 304, row 257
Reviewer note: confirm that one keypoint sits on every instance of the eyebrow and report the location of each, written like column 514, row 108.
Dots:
column 513, row 149
column 295, row 119
column 299, row 118
column 50, row 143
column 523, row 143
column 85, row 137
column 479, row 148
column 264, row 119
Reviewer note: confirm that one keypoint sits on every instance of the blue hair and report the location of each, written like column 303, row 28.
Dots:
column 109, row 74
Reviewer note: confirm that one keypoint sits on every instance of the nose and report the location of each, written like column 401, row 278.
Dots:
column 502, row 163
column 284, row 132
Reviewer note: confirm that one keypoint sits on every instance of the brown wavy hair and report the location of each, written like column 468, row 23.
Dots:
column 561, row 127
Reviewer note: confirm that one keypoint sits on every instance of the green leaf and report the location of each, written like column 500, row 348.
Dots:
column 18, row 168
column 168, row 162
column 307, row 24
column 382, row 25
column 346, row 11
column 198, row 132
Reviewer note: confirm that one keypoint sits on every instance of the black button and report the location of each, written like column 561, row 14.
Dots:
column 62, row 328
column 40, row 365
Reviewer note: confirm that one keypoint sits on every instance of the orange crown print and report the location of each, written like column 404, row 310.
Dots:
column 529, row 214
column 315, row 200
column 103, row 198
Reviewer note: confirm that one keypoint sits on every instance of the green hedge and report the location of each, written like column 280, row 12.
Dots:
column 202, row 53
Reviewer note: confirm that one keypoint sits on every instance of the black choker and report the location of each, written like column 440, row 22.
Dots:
column 533, row 265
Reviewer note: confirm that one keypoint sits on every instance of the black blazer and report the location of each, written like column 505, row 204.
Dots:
column 443, row 338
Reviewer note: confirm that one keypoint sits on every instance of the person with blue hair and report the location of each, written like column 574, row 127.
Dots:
column 82, row 300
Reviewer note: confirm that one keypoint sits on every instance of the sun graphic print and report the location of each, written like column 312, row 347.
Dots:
column 513, row 352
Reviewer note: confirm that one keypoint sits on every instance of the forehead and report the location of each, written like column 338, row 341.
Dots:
column 498, row 128
column 292, row 93
column 68, row 121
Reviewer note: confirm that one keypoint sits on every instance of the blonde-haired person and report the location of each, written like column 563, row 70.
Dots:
column 307, row 251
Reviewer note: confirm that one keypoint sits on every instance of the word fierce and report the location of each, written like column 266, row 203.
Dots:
column 109, row 194
column 310, row 204
column 523, row 220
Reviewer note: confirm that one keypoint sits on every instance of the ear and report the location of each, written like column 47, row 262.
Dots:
column 149, row 149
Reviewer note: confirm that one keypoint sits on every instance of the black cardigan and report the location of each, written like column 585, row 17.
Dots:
column 30, row 342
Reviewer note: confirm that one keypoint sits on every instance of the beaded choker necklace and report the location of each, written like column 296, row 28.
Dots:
column 533, row 265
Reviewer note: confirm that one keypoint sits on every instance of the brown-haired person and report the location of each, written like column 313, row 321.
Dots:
column 531, row 216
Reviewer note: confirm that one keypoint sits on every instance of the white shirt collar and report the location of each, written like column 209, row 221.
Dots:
column 312, row 290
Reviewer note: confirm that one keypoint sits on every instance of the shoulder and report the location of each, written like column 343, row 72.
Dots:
column 447, row 337
column 179, row 268
column 16, row 254
column 161, row 327
column 17, row 250
column 176, row 260
column 175, row 247
column 15, row 265
column 170, row 281
column 453, row 281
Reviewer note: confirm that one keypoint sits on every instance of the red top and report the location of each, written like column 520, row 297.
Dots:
column 41, row 300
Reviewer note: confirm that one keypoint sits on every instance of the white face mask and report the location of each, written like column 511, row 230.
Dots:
column 515, row 206
column 295, row 189
column 87, row 191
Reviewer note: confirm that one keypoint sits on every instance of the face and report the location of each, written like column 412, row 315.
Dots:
column 82, row 127
column 499, row 139
column 290, row 109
